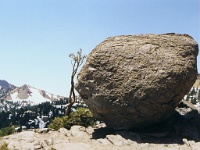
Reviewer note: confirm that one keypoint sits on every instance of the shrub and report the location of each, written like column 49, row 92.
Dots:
column 4, row 146
column 82, row 116
column 57, row 123
column 7, row 131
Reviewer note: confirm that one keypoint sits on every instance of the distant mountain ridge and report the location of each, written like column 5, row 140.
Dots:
column 25, row 93
column 4, row 84
column 5, row 87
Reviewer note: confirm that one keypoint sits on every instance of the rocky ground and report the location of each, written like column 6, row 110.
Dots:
column 180, row 132
column 98, row 138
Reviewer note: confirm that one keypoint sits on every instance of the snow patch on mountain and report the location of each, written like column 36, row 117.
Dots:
column 31, row 95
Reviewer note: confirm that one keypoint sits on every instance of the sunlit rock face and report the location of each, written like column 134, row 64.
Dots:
column 136, row 80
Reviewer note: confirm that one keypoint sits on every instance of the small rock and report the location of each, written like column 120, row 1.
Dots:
column 103, row 141
column 78, row 131
column 130, row 135
column 64, row 131
column 37, row 146
column 185, row 141
column 77, row 127
column 188, row 142
column 43, row 130
column 101, row 125
column 89, row 130
column 116, row 140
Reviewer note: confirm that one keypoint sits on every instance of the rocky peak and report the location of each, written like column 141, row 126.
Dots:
column 4, row 84
column 5, row 87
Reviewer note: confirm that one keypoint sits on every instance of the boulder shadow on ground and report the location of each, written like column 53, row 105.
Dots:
column 102, row 132
column 171, row 131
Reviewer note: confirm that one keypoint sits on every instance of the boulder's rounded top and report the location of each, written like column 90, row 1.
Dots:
column 177, row 37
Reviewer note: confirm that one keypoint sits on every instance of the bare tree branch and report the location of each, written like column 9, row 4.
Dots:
column 77, row 61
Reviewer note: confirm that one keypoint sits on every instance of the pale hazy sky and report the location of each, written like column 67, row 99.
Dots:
column 36, row 36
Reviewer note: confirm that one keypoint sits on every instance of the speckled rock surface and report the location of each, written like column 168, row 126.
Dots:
column 137, row 80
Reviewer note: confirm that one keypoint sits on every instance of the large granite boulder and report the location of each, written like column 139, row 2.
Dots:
column 136, row 80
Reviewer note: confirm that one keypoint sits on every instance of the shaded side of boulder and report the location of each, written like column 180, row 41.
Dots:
column 137, row 80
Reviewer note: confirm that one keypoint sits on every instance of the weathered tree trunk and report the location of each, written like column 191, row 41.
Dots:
column 76, row 62
column 71, row 99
